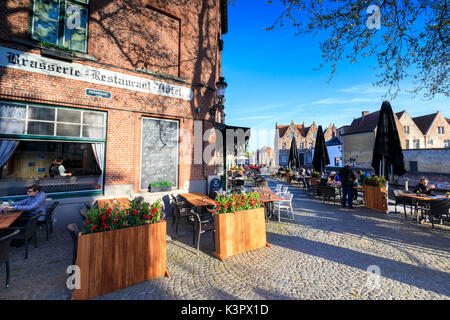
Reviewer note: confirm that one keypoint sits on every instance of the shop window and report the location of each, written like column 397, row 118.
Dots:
column 61, row 22
column 32, row 137
column 27, row 162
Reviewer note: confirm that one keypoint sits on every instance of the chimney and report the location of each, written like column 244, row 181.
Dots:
column 365, row 113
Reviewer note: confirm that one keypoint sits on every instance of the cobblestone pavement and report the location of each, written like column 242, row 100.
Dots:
column 324, row 253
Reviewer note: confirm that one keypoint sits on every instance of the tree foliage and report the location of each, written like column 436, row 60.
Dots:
column 411, row 41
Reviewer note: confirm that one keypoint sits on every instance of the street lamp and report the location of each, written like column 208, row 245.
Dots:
column 221, row 86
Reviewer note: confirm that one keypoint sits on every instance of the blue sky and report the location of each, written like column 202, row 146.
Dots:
column 271, row 79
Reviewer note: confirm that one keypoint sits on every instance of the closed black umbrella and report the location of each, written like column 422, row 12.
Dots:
column 321, row 158
column 387, row 150
column 293, row 162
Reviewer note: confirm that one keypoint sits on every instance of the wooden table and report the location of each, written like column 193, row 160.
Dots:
column 6, row 221
column 421, row 197
column 196, row 199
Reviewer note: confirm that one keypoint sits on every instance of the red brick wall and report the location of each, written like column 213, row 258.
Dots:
column 123, row 37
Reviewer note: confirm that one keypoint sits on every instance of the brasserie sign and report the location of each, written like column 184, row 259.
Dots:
column 15, row 59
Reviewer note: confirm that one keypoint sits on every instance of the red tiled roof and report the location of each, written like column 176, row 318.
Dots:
column 282, row 130
column 424, row 122
column 364, row 124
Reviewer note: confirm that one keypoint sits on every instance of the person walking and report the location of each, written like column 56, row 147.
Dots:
column 348, row 178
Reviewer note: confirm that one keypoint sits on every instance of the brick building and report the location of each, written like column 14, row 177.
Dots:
column 114, row 88
column 305, row 138
column 430, row 131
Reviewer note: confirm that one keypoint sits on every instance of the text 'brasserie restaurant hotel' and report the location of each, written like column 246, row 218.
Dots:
column 106, row 86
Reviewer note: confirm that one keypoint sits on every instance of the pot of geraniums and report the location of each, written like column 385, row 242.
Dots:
column 240, row 224
column 160, row 186
column 375, row 193
column 118, row 248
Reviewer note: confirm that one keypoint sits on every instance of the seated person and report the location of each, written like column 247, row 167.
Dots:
column 424, row 187
column 62, row 170
column 323, row 180
column 32, row 205
column 334, row 177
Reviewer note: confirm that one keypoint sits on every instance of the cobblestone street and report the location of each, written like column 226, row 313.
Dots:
column 324, row 253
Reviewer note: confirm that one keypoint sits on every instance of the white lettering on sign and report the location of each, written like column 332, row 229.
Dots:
column 25, row 61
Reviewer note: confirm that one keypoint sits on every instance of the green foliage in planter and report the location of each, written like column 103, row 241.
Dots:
column 315, row 174
column 105, row 219
column 161, row 184
column 238, row 202
column 54, row 46
column 375, row 181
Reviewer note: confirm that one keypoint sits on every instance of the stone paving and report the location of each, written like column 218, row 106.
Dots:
column 324, row 253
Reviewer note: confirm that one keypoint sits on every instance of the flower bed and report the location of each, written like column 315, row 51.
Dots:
column 119, row 248
column 239, row 223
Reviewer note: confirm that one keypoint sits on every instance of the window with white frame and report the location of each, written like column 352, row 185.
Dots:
column 446, row 143
column 25, row 119
column 406, row 128
column 440, row 130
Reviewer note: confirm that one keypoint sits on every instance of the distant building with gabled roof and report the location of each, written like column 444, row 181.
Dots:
column 305, row 138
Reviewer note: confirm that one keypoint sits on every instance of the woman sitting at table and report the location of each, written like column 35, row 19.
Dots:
column 32, row 205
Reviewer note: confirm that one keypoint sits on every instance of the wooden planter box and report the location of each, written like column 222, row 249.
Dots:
column 288, row 177
column 117, row 259
column 239, row 232
column 376, row 198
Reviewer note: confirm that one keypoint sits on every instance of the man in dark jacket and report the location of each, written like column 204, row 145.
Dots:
column 348, row 178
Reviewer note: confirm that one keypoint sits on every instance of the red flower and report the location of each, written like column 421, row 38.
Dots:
column 155, row 210
column 135, row 212
column 108, row 212
column 103, row 218
column 88, row 221
column 93, row 227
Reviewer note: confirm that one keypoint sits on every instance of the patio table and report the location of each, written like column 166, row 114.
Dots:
column 6, row 221
column 421, row 198
column 196, row 199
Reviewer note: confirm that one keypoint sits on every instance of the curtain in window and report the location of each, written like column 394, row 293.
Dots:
column 7, row 148
column 99, row 153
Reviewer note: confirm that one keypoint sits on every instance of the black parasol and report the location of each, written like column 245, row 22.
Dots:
column 387, row 150
column 294, row 162
column 321, row 158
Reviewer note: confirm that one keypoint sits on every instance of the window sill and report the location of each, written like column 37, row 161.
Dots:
column 161, row 75
column 74, row 54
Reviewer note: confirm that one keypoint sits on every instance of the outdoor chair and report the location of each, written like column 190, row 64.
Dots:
column 439, row 209
column 180, row 210
column 74, row 232
column 327, row 193
column 202, row 224
column 48, row 222
column 284, row 205
column 283, row 191
column 5, row 242
column 405, row 201
column 278, row 188
column 27, row 232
